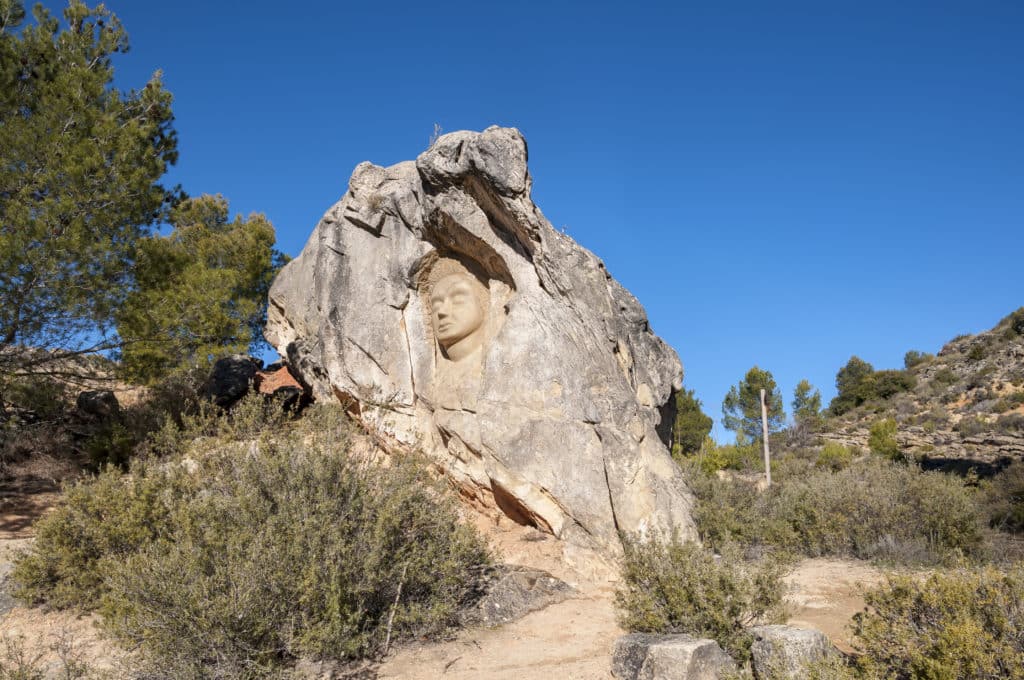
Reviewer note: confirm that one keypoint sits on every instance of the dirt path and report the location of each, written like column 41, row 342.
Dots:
column 574, row 639
column 571, row 640
column 825, row 594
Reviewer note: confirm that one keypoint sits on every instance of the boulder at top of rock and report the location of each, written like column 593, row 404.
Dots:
column 437, row 302
column 231, row 379
column 98, row 404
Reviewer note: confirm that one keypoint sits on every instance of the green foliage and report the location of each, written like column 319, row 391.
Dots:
column 247, row 546
column 969, row 426
column 98, row 522
column 873, row 509
column 80, row 163
column 740, row 457
column 944, row 377
column 888, row 383
column 741, row 409
column 977, row 353
column 806, row 405
column 850, row 385
column 200, row 293
column 834, row 456
column 1009, row 402
column 1011, row 422
column 963, row 624
column 857, row 383
column 882, row 439
column 914, row 358
column 681, row 587
column 1002, row 499
column 691, row 425
column 1015, row 322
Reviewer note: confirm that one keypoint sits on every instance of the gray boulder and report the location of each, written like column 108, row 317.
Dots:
column 232, row 378
column 436, row 301
column 644, row 656
column 7, row 601
column 784, row 652
column 513, row 592
column 98, row 405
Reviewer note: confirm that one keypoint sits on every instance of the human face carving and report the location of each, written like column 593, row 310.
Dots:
column 456, row 312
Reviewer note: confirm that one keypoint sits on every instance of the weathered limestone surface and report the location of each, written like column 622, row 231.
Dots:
column 437, row 301
column 644, row 656
column 784, row 652
column 514, row 592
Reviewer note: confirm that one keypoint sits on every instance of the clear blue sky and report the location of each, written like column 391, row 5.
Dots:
column 782, row 184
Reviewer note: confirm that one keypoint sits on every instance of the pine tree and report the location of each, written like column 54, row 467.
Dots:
column 854, row 385
column 80, row 164
column 201, row 291
column 806, row 405
column 741, row 409
column 691, row 425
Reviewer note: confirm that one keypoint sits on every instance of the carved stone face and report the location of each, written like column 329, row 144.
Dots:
column 457, row 312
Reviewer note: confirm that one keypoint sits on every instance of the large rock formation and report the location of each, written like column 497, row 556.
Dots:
column 438, row 302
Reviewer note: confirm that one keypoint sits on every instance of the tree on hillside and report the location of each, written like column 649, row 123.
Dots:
column 741, row 409
column 853, row 385
column 806, row 405
column 200, row 292
column 858, row 382
column 80, row 164
column 915, row 357
column 691, row 425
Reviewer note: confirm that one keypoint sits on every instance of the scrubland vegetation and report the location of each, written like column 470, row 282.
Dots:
column 230, row 545
column 241, row 547
column 952, row 604
column 963, row 621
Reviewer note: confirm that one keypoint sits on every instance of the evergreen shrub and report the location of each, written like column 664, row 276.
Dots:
column 873, row 509
column 674, row 586
column 960, row 624
column 243, row 549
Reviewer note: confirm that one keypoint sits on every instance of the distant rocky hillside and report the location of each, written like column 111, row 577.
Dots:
column 962, row 408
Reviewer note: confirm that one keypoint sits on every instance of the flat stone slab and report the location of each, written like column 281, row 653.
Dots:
column 646, row 656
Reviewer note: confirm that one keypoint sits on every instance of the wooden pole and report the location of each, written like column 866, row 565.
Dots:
column 764, row 435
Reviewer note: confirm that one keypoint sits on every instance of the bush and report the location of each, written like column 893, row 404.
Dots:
column 874, row 509
column 1015, row 322
column 888, row 383
column 248, row 554
column 1011, row 422
column 740, row 457
column 834, row 456
column 914, row 358
column 882, row 510
column 670, row 587
column 98, row 522
column 964, row 624
column 735, row 511
column 1002, row 499
column 882, row 439
column 944, row 377
column 968, row 427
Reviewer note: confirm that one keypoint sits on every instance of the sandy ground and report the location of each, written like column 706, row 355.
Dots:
column 825, row 594
column 571, row 640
